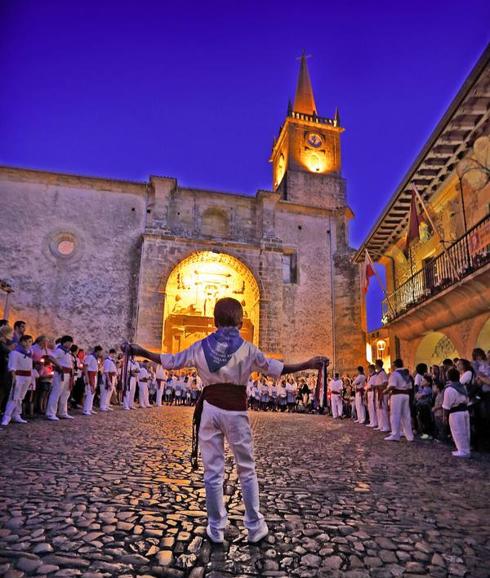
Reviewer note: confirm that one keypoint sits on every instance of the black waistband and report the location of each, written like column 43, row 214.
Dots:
column 458, row 408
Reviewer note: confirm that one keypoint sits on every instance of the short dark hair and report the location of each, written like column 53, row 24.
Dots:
column 379, row 362
column 337, row 376
column 371, row 366
column 448, row 362
column 3, row 322
column 74, row 348
column 398, row 363
column 478, row 352
column 98, row 348
column 466, row 364
column 228, row 312
column 65, row 339
column 453, row 374
column 25, row 337
column 112, row 351
column 421, row 368
column 360, row 369
column 19, row 323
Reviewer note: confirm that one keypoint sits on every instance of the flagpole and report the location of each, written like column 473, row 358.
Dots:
column 432, row 224
column 380, row 281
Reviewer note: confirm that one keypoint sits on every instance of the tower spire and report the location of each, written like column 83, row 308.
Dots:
column 304, row 101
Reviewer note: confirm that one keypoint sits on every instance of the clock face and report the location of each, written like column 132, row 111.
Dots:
column 314, row 139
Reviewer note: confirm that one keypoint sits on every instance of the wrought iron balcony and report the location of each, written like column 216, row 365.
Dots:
column 465, row 256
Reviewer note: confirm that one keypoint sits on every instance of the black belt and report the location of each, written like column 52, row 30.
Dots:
column 458, row 408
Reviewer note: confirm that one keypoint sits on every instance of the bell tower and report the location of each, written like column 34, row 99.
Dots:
column 307, row 150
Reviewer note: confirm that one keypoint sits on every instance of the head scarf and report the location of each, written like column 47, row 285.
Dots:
column 219, row 347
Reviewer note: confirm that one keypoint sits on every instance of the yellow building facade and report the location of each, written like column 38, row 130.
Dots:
column 438, row 289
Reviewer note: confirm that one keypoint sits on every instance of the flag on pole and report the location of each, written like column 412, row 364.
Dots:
column 367, row 272
column 414, row 222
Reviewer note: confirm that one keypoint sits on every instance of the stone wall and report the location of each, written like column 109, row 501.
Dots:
column 89, row 293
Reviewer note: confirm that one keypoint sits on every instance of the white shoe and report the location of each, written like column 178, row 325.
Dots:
column 103, row 409
column 53, row 418
column 258, row 535
column 110, row 409
column 216, row 536
column 458, row 454
column 19, row 420
column 127, row 408
column 87, row 413
column 391, row 439
column 66, row 416
column 5, row 422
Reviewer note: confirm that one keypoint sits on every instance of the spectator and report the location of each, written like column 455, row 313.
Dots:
column 19, row 330
column 423, row 406
column 6, row 346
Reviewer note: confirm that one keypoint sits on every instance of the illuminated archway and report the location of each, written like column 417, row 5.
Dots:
column 484, row 337
column 434, row 348
column 192, row 289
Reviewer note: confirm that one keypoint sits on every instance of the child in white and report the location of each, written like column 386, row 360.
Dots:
column 90, row 370
column 336, row 387
column 359, row 384
column 21, row 367
column 62, row 381
column 109, row 383
column 455, row 405
column 133, row 369
column 224, row 361
column 143, row 379
column 160, row 377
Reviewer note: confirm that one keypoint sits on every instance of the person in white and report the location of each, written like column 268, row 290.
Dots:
column 382, row 397
column 20, row 366
column 224, row 361
column 90, row 371
column 133, row 370
column 336, row 387
column 160, row 377
column 62, row 381
column 400, row 387
column 455, row 406
column 109, row 372
column 359, row 383
column 370, row 390
column 143, row 379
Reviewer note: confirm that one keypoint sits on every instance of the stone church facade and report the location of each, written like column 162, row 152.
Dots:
column 106, row 259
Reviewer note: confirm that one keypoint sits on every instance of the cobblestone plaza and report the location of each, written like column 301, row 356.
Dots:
column 114, row 495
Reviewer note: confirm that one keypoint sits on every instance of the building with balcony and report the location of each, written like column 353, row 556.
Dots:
column 438, row 290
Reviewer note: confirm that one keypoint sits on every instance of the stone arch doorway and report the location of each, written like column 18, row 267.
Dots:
column 483, row 340
column 435, row 347
column 191, row 291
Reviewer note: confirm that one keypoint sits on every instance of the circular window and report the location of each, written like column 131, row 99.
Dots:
column 66, row 247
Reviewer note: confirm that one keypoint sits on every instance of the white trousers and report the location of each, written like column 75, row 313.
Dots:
column 383, row 415
column 216, row 426
column 373, row 415
column 88, row 400
column 360, row 409
column 459, row 422
column 143, row 394
column 128, row 401
column 106, row 392
column 401, row 420
column 13, row 409
column 58, row 396
column 336, row 401
column 159, row 395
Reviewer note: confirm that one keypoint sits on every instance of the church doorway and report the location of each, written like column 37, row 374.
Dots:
column 434, row 348
column 192, row 289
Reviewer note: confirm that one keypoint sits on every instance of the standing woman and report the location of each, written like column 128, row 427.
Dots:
column 6, row 346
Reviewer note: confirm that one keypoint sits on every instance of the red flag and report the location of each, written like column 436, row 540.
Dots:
column 414, row 221
column 367, row 271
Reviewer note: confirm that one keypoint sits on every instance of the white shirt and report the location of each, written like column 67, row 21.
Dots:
column 397, row 381
column 19, row 362
column 160, row 373
column 380, row 378
column 63, row 358
column 371, row 382
column 466, row 378
column 359, row 382
column 417, row 380
column 246, row 359
column 336, row 386
column 91, row 362
column 452, row 398
column 143, row 374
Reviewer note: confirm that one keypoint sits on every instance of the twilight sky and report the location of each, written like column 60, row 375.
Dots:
column 197, row 90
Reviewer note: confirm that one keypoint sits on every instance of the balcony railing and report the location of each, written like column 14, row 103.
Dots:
column 463, row 257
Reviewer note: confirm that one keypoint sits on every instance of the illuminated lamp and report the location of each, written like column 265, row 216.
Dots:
column 381, row 345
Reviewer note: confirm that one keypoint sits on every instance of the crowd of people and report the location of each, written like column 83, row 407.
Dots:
column 450, row 401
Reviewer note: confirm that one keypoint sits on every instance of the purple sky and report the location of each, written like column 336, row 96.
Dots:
column 197, row 90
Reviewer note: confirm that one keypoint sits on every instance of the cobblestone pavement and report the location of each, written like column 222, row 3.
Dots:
column 113, row 495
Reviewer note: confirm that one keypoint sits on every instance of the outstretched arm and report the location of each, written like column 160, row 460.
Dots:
column 313, row 363
column 134, row 349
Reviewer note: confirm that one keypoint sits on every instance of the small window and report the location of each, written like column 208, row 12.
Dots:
column 289, row 268
column 63, row 245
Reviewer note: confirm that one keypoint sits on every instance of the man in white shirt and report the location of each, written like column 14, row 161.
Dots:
column 62, row 381
column 371, row 396
column 336, row 387
column 455, row 406
column 400, row 387
column 359, row 383
column 160, row 378
column 224, row 362
column 133, row 370
column 109, row 370
column 382, row 397
column 90, row 371
column 20, row 366
column 143, row 382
